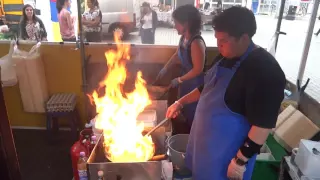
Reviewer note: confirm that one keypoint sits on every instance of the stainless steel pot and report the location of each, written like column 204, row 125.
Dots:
column 177, row 146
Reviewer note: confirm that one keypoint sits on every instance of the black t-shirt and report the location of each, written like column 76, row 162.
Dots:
column 257, row 88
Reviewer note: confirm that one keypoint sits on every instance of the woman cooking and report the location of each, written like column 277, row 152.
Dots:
column 191, row 56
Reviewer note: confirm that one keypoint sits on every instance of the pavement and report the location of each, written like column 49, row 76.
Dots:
column 289, row 51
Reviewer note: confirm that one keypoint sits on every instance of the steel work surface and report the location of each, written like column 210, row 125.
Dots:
column 150, row 170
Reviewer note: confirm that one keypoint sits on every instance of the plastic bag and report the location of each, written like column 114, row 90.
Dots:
column 8, row 73
column 4, row 28
column 31, row 77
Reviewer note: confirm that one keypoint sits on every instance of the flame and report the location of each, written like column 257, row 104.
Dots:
column 118, row 111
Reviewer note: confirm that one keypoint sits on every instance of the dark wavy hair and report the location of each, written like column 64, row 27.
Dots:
column 60, row 4
column 24, row 17
column 146, row 4
column 190, row 15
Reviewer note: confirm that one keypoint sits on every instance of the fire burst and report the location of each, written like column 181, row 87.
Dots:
column 117, row 113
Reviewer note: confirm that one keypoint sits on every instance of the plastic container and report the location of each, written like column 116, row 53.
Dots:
column 307, row 160
column 149, row 118
column 93, row 142
column 82, row 166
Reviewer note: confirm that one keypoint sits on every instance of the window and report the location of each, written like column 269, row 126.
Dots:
column 123, row 17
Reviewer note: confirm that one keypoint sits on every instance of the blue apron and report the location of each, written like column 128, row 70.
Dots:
column 217, row 133
column 189, row 85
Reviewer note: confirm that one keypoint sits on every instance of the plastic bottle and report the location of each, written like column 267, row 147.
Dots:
column 87, row 144
column 82, row 166
column 93, row 139
column 93, row 142
column 78, row 147
column 100, row 175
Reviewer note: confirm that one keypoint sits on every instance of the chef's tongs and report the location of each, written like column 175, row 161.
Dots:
column 157, row 126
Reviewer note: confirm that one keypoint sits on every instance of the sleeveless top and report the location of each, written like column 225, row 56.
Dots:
column 65, row 31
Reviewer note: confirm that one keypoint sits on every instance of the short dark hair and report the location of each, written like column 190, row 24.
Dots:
column 188, row 14
column 236, row 21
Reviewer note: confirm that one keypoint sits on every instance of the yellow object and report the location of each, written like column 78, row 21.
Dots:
column 56, row 32
column 1, row 8
column 11, row 2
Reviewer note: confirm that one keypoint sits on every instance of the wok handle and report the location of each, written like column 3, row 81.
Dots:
column 156, row 127
column 159, row 157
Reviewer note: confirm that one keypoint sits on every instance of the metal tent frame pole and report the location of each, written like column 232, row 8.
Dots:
column 83, row 62
column 278, row 28
column 307, row 42
column 280, row 17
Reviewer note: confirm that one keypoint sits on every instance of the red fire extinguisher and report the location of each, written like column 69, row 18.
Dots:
column 78, row 147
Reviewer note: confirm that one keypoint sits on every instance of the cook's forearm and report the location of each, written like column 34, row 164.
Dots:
column 193, row 96
column 191, row 74
column 257, row 135
column 173, row 60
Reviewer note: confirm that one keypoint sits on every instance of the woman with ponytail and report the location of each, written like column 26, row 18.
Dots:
column 66, row 22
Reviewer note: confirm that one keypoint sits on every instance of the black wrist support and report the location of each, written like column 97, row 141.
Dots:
column 250, row 148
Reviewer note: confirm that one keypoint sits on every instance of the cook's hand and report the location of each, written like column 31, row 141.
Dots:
column 175, row 82
column 235, row 171
column 174, row 110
